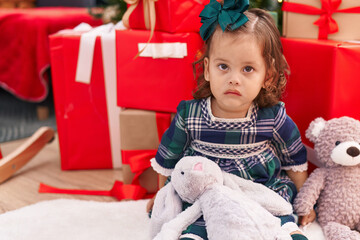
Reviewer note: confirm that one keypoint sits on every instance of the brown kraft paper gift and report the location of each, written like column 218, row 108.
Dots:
column 139, row 134
column 301, row 25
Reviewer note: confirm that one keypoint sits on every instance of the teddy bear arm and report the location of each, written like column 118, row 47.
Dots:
column 310, row 192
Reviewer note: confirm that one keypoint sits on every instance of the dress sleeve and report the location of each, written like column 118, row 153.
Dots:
column 173, row 143
column 287, row 142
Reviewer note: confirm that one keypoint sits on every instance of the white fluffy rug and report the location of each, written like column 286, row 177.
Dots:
column 86, row 220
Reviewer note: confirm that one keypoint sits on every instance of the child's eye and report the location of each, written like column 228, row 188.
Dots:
column 223, row 67
column 248, row 69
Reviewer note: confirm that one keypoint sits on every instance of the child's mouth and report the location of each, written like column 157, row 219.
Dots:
column 233, row 92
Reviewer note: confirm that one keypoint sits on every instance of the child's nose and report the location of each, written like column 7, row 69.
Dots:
column 235, row 80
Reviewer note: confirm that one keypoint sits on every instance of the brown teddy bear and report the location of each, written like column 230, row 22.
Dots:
column 334, row 187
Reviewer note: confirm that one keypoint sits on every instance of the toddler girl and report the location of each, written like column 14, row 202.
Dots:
column 236, row 119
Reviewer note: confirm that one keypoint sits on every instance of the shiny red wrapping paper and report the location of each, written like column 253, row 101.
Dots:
column 171, row 15
column 324, row 80
column 81, row 112
column 154, row 84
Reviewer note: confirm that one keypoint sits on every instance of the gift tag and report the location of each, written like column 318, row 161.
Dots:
column 163, row 50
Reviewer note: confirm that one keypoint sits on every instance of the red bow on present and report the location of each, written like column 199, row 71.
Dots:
column 326, row 23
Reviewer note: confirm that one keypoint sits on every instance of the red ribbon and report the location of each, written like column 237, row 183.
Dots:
column 119, row 191
column 326, row 23
column 139, row 161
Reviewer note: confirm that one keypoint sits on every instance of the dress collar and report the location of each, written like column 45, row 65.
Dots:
column 227, row 123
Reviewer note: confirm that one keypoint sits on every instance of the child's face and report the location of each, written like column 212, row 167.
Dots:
column 236, row 71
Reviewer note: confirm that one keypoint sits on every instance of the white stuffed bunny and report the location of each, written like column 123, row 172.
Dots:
column 233, row 208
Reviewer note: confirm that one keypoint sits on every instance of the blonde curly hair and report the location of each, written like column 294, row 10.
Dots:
column 262, row 26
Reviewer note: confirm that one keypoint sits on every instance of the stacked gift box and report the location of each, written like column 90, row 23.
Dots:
column 324, row 58
column 115, row 92
column 154, row 73
column 85, row 98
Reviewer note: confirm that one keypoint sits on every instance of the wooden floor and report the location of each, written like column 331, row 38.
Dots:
column 22, row 189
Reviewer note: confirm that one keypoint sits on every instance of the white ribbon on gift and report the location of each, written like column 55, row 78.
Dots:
column 83, row 74
column 163, row 50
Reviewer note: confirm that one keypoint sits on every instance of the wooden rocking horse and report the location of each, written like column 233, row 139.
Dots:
column 19, row 157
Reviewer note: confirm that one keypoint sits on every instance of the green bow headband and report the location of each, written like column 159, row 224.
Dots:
column 231, row 15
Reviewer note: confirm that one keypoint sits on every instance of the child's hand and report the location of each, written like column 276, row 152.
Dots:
column 303, row 220
column 150, row 204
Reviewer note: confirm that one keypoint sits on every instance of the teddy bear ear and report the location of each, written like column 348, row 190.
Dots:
column 315, row 128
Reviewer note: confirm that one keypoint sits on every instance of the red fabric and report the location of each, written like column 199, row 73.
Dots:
column 171, row 15
column 0, row 154
column 326, row 23
column 80, row 109
column 24, row 47
column 324, row 80
column 154, row 84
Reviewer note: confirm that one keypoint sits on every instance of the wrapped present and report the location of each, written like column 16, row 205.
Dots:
column 323, row 19
column 165, row 15
column 84, row 84
column 162, row 75
column 323, row 80
column 140, row 133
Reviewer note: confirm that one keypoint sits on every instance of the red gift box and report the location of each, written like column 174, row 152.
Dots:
column 169, row 15
column 82, row 108
column 323, row 80
column 162, row 75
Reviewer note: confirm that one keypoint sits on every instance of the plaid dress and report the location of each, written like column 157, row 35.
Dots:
column 257, row 147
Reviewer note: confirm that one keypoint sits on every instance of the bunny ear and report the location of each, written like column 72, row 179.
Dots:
column 198, row 166
column 167, row 206
column 315, row 128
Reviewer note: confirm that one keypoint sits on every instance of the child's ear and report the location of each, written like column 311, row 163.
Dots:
column 206, row 69
column 267, row 83
column 264, row 85
column 268, row 80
